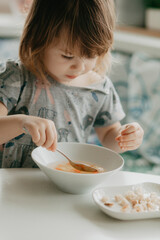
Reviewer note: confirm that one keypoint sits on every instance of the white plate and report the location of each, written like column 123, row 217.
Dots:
column 115, row 211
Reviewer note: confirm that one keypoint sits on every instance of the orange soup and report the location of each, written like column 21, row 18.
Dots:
column 66, row 167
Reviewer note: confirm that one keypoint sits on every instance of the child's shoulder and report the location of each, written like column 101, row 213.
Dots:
column 10, row 66
column 12, row 69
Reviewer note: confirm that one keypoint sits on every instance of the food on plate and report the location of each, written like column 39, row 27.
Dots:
column 136, row 200
column 66, row 167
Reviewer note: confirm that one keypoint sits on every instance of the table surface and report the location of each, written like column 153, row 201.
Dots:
column 31, row 207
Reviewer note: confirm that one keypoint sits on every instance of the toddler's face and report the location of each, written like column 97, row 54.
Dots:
column 64, row 66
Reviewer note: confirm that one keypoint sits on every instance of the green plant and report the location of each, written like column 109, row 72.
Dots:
column 152, row 3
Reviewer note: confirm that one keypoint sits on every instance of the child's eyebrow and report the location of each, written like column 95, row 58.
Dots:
column 65, row 51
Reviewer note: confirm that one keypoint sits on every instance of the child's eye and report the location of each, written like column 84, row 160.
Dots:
column 67, row 57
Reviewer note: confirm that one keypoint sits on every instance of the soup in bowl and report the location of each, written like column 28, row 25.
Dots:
column 56, row 166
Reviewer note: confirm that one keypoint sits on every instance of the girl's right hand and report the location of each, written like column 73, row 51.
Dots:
column 42, row 131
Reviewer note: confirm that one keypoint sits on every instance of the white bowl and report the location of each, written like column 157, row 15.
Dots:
column 77, row 183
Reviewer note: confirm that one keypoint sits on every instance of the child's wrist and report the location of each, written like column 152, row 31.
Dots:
column 19, row 122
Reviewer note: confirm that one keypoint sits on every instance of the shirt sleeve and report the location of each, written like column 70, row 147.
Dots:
column 10, row 84
column 111, row 110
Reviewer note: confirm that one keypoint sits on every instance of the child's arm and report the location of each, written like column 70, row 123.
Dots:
column 121, row 138
column 42, row 130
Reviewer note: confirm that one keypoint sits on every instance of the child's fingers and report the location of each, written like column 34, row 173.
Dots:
column 127, row 129
column 42, row 139
column 33, row 132
column 53, row 146
column 125, row 147
column 130, row 136
column 137, row 135
column 50, row 135
column 129, row 143
column 130, row 128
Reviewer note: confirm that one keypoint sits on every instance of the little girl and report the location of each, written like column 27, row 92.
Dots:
column 59, row 91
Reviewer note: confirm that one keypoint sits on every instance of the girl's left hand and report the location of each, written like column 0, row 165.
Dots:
column 130, row 136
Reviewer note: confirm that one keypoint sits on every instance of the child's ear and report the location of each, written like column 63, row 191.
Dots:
column 103, row 64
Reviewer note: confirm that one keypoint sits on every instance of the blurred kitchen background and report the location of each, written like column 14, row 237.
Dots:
column 135, row 72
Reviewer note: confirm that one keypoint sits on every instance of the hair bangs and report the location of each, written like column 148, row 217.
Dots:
column 87, row 28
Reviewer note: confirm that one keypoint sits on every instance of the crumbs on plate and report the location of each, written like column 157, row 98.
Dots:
column 137, row 200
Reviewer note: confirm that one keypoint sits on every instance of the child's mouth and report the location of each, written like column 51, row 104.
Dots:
column 71, row 76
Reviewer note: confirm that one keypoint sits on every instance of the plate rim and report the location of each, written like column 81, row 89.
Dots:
column 125, row 215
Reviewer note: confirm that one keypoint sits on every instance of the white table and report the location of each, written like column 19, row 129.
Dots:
column 31, row 208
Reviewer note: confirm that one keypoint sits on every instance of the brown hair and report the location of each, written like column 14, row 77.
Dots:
column 89, row 24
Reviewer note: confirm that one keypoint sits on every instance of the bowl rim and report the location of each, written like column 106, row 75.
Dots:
column 81, row 174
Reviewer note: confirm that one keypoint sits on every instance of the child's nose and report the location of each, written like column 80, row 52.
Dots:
column 78, row 65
